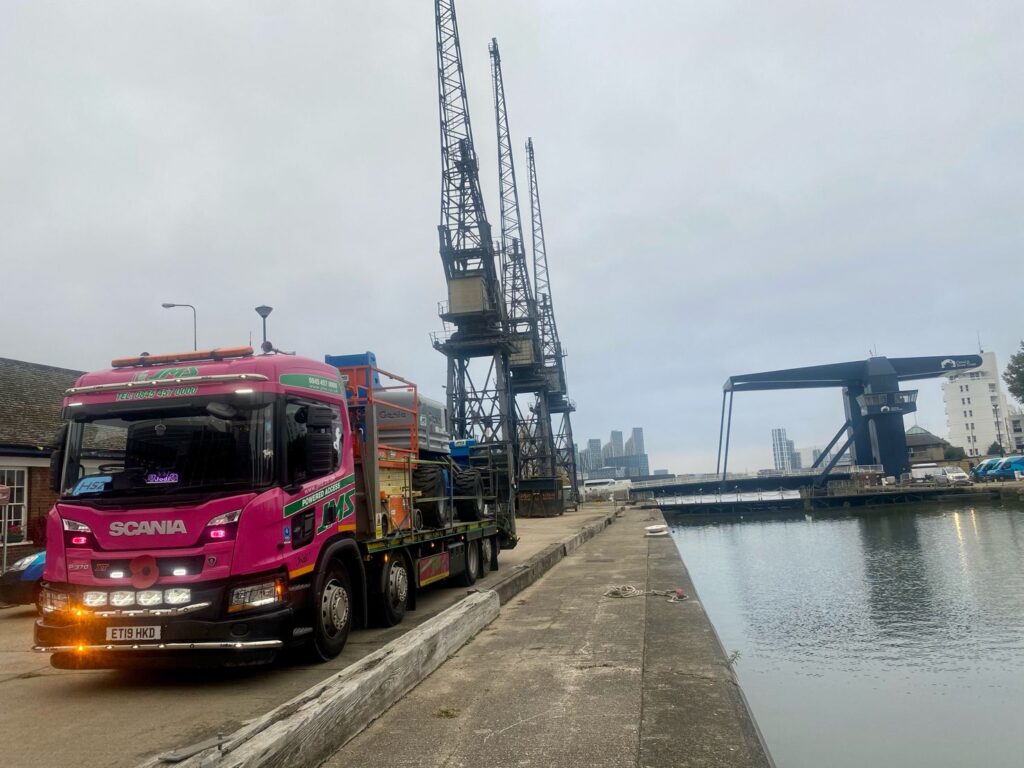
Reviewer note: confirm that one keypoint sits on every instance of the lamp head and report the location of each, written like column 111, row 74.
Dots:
column 263, row 310
column 168, row 305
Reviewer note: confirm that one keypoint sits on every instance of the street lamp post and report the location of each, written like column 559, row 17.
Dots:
column 169, row 305
column 263, row 310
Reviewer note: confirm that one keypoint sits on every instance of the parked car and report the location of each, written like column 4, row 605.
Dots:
column 1006, row 469
column 984, row 467
column 19, row 584
column 950, row 476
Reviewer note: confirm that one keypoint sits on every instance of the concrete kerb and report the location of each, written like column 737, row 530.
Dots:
column 306, row 730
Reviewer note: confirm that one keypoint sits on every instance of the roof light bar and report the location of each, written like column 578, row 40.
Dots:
column 217, row 378
column 220, row 353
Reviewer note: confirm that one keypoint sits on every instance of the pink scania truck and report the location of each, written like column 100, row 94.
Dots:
column 226, row 506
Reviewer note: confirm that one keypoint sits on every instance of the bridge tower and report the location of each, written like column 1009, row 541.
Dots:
column 560, row 406
column 540, row 489
column 475, row 338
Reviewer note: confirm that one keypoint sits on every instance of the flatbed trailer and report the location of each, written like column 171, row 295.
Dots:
column 220, row 506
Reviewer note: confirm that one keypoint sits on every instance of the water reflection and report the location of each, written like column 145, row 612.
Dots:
column 845, row 621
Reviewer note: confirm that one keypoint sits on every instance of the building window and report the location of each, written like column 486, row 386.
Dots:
column 970, row 413
column 14, row 513
column 991, row 387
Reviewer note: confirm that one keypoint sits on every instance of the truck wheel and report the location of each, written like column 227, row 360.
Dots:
column 395, row 599
column 332, row 610
column 486, row 554
column 468, row 576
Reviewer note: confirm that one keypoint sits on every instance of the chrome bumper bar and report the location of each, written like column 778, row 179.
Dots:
column 223, row 646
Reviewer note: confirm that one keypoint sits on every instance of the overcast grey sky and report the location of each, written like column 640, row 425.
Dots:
column 728, row 187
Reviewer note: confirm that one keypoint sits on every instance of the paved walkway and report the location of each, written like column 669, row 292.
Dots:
column 567, row 677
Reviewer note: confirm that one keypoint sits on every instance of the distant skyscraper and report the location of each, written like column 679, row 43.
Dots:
column 637, row 440
column 784, row 454
column 594, row 448
column 780, row 451
column 616, row 443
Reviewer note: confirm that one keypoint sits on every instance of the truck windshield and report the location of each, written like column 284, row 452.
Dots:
column 200, row 446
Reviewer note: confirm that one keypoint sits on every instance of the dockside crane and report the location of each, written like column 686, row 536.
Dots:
column 476, row 339
column 538, row 482
column 559, row 405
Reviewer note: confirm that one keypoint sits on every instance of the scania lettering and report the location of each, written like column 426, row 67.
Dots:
column 226, row 506
column 147, row 527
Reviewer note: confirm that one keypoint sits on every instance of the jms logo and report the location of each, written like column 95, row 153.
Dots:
column 166, row 373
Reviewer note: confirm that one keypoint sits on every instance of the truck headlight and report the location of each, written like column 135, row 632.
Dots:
column 122, row 598
column 150, row 597
column 94, row 599
column 52, row 601
column 255, row 595
column 177, row 595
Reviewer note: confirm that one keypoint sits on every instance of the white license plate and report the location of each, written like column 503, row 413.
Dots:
column 133, row 633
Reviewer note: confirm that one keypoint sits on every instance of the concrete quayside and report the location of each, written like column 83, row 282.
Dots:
column 555, row 671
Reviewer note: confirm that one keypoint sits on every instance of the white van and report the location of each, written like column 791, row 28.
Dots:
column 951, row 476
column 940, row 475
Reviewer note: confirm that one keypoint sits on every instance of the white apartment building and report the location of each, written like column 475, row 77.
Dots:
column 1016, row 430
column 976, row 410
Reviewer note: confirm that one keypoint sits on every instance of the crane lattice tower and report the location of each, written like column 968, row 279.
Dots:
column 475, row 339
column 559, row 405
column 535, row 442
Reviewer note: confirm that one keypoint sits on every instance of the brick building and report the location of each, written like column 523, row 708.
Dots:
column 923, row 446
column 30, row 405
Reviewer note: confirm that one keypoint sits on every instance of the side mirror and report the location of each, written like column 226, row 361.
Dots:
column 56, row 464
column 320, row 454
column 319, row 417
column 57, row 457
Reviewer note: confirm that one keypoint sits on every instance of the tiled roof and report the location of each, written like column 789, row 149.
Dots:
column 30, row 401
column 918, row 437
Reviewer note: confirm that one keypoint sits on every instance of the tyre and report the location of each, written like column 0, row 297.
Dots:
column 469, row 492
column 428, row 480
column 486, row 555
column 468, row 577
column 332, row 613
column 395, row 600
